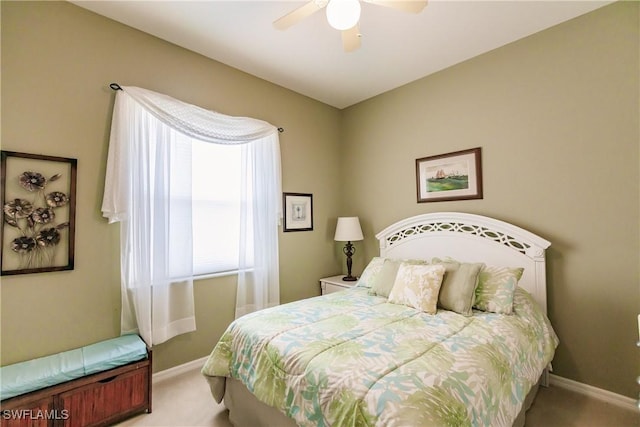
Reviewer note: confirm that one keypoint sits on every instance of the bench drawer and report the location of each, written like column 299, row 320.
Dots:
column 107, row 400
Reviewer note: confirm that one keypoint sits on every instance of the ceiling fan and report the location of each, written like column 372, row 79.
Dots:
column 344, row 15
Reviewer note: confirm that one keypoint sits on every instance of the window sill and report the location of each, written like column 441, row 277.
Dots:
column 219, row 274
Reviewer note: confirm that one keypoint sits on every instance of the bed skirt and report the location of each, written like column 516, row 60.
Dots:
column 247, row 411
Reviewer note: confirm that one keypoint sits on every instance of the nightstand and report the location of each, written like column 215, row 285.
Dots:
column 334, row 284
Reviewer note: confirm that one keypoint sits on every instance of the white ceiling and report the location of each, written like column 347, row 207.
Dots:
column 397, row 47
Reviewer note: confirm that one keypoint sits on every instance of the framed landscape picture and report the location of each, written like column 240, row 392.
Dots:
column 450, row 176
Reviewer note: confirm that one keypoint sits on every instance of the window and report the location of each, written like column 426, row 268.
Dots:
column 161, row 184
column 217, row 200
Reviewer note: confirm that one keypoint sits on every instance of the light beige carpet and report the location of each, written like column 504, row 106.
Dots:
column 185, row 401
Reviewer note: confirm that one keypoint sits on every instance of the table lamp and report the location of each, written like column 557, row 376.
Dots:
column 348, row 230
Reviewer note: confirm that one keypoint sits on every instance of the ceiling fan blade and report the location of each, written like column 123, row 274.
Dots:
column 351, row 38
column 411, row 6
column 299, row 14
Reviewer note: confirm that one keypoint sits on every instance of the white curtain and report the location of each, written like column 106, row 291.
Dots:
column 148, row 191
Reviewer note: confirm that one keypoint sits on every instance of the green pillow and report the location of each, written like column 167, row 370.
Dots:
column 458, row 290
column 383, row 282
column 496, row 287
column 370, row 272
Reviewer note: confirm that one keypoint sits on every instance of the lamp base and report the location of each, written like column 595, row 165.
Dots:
column 349, row 278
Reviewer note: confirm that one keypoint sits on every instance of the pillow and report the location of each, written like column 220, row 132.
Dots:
column 383, row 282
column 370, row 272
column 417, row 286
column 458, row 290
column 445, row 260
column 496, row 286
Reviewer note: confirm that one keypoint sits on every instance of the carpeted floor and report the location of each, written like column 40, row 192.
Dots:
column 185, row 401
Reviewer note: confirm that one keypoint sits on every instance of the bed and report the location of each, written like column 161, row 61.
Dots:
column 447, row 326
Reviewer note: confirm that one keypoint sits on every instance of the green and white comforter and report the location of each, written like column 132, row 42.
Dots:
column 349, row 358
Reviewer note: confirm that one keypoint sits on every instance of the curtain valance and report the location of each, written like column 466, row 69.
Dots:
column 198, row 122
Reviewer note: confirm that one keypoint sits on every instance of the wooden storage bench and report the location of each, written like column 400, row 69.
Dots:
column 96, row 399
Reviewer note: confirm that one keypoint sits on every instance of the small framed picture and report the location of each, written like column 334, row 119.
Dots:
column 298, row 212
column 450, row 176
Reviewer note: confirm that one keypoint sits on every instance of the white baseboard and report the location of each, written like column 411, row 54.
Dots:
column 178, row 370
column 595, row 392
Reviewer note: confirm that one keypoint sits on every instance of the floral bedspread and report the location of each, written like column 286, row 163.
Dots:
column 348, row 358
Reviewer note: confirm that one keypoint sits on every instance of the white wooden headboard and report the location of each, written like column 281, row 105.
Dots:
column 470, row 238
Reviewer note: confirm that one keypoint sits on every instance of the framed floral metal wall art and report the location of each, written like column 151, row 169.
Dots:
column 450, row 176
column 38, row 213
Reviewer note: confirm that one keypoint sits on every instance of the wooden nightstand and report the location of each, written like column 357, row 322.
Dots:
column 334, row 284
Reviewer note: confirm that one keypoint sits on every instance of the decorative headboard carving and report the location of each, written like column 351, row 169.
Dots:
column 460, row 227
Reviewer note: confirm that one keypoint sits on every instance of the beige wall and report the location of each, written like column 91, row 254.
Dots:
column 556, row 115
column 57, row 62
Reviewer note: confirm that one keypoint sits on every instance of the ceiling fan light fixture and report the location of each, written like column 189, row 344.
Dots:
column 343, row 14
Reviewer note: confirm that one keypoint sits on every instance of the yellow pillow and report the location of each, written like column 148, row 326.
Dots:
column 418, row 286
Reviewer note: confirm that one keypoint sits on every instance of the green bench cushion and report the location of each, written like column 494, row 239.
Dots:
column 35, row 374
